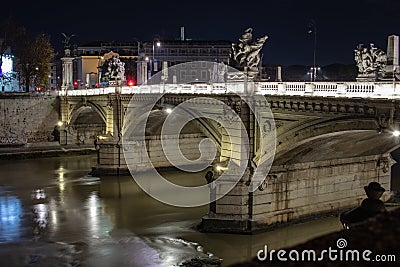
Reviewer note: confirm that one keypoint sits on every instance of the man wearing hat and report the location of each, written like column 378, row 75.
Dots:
column 373, row 205
column 370, row 207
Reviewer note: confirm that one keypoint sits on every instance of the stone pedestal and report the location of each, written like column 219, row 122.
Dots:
column 67, row 72
column 392, row 66
column 241, row 76
column 372, row 77
column 141, row 72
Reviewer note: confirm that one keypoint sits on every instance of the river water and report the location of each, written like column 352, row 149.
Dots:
column 53, row 213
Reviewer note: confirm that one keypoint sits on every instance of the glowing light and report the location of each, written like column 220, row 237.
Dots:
column 7, row 64
column 60, row 123
column 38, row 194
column 102, row 137
column 168, row 110
column 61, row 182
column 93, row 204
column 396, row 133
column 221, row 168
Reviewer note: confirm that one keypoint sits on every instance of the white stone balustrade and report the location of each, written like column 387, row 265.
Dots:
column 389, row 90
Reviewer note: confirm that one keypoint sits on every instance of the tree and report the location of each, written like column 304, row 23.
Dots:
column 33, row 55
column 33, row 61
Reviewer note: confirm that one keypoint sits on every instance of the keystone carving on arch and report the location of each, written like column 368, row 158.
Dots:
column 384, row 164
column 110, row 104
column 270, row 178
column 229, row 112
column 383, row 122
column 84, row 101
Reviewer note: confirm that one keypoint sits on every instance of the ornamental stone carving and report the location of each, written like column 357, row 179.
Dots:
column 371, row 61
column 246, row 53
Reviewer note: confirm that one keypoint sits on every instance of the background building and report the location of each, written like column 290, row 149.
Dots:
column 55, row 75
column 143, row 59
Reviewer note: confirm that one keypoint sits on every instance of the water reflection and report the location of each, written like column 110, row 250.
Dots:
column 116, row 221
column 61, row 182
column 10, row 213
column 93, row 207
column 40, row 216
column 40, row 211
column 38, row 195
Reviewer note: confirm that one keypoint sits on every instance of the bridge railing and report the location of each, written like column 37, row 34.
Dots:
column 389, row 90
column 84, row 92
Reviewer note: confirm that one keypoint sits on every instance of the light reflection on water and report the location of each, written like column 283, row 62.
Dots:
column 10, row 213
column 115, row 222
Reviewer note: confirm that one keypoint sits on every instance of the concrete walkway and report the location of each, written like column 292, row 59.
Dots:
column 45, row 149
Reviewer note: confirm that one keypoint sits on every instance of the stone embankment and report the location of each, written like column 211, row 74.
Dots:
column 45, row 149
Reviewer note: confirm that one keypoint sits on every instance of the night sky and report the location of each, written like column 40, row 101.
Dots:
column 341, row 24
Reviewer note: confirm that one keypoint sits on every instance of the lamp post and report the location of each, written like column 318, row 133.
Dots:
column 313, row 73
column 312, row 29
column 157, row 44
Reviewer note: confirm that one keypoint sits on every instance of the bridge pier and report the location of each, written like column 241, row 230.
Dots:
column 296, row 192
column 66, row 137
column 231, row 213
column 110, row 157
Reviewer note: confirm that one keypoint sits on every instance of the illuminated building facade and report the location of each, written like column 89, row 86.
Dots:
column 8, row 77
column 148, row 58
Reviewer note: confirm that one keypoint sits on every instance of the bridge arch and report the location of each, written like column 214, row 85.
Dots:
column 159, row 153
column 81, row 106
column 157, row 116
column 339, row 138
column 87, row 120
column 302, row 132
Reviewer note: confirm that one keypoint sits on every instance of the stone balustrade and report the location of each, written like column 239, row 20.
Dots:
column 389, row 90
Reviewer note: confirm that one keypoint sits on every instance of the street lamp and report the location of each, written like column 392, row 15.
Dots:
column 157, row 44
column 312, row 29
column 313, row 73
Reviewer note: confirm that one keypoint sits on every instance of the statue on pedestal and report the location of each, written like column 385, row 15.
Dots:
column 246, row 53
column 66, row 42
column 113, row 69
column 371, row 62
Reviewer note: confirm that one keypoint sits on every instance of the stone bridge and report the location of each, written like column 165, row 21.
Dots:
column 332, row 139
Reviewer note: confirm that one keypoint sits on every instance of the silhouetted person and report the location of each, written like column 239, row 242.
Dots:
column 373, row 204
column 370, row 207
